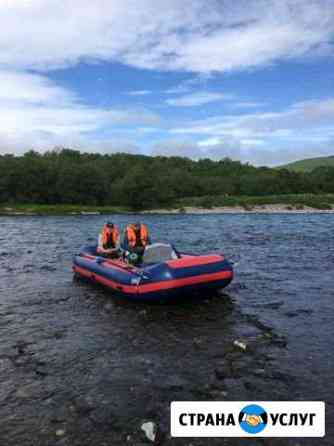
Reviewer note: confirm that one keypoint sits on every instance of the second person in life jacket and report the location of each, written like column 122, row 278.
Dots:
column 109, row 241
column 136, row 238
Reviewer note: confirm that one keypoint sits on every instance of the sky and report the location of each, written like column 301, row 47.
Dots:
column 249, row 79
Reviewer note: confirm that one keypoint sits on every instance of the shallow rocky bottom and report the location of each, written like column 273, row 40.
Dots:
column 78, row 367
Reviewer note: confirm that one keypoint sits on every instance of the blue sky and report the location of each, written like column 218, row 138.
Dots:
column 248, row 79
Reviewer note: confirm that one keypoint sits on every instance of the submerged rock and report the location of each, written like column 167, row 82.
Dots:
column 60, row 432
column 220, row 374
column 108, row 307
column 291, row 314
column 150, row 430
column 241, row 345
column 83, row 406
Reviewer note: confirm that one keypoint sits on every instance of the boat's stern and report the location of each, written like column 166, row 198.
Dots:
column 189, row 273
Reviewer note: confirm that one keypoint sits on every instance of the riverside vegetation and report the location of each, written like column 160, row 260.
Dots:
column 68, row 181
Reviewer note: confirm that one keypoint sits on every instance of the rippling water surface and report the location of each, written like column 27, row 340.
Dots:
column 79, row 368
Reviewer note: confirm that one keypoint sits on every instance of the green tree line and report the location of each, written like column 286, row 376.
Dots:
column 137, row 181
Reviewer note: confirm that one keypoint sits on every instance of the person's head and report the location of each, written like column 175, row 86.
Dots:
column 137, row 225
column 109, row 225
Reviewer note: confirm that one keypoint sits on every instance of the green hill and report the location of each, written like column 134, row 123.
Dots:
column 309, row 164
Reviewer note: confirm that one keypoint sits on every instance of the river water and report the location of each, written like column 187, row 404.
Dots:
column 78, row 367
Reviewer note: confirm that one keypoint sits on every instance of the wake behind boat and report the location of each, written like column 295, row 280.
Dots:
column 163, row 273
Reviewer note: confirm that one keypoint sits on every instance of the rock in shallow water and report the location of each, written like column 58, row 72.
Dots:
column 60, row 432
column 108, row 307
column 240, row 345
column 150, row 430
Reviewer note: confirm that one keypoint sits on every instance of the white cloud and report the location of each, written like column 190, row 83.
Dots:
column 108, row 146
column 247, row 104
column 308, row 116
column 36, row 112
column 195, row 81
column 174, row 147
column 216, row 141
column 196, row 99
column 190, row 149
column 304, row 129
column 255, row 152
column 40, row 141
column 195, row 36
column 192, row 35
column 139, row 92
column 31, row 88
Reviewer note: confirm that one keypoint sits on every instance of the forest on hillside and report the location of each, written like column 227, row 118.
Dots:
column 137, row 181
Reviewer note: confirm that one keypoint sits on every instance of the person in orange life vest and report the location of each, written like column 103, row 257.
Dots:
column 109, row 241
column 136, row 238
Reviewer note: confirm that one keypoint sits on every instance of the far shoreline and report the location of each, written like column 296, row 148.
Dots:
column 259, row 209
column 76, row 210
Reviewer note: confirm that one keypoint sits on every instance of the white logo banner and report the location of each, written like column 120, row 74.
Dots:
column 248, row 419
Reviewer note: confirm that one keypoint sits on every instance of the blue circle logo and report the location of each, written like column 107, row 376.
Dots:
column 253, row 419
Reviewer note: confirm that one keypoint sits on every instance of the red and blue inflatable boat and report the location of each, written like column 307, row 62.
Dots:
column 158, row 277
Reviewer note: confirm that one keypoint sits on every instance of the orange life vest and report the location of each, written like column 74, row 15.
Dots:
column 134, row 238
column 110, row 237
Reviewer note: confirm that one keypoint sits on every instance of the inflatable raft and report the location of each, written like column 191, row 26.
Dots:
column 163, row 273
